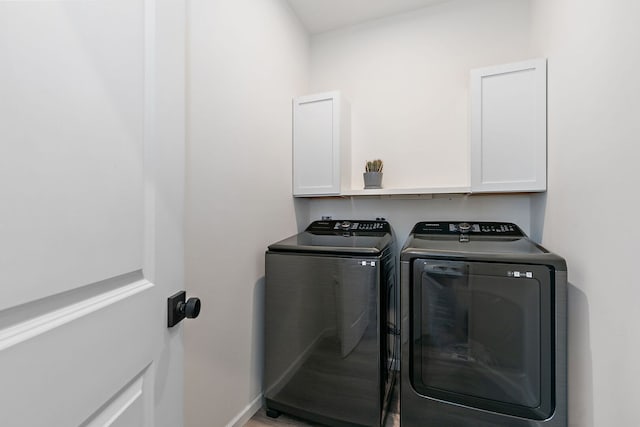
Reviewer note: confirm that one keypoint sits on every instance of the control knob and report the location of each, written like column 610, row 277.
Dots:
column 346, row 225
column 464, row 227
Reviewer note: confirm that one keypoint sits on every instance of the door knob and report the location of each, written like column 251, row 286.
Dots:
column 190, row 309
column 178, row 308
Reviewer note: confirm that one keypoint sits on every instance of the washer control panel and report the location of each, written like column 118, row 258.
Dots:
column 349, row 226
column 475, row 228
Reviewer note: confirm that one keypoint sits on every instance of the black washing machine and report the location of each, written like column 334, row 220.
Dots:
column 329, row 323
column 483, row 328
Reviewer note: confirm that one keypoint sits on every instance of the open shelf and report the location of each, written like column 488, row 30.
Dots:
column 423, row 192
column 406, row 191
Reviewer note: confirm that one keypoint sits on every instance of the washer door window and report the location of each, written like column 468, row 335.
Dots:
column 482, row 335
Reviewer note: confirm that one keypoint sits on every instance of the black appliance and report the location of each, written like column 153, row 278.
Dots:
column 329, row 323
column 483, row 328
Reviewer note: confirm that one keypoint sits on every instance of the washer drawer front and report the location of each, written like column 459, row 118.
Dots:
column 322, row 337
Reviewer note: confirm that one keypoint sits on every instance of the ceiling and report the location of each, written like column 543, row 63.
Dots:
column 324, row 15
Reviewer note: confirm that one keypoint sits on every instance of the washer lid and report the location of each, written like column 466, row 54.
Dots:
column 481, row 241
column 475, row 244
column 339, row 237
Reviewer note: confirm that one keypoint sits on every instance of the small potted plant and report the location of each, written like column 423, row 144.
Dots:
column 373, row 174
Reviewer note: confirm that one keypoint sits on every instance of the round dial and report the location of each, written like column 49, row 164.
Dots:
column 464, row 227
column 346, row 225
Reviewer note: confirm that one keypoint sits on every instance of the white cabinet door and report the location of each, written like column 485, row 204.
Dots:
column 91, row 184
column 321, row 149
column 509, row 127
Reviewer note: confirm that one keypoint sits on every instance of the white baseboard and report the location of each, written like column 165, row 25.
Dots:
column 246, row 414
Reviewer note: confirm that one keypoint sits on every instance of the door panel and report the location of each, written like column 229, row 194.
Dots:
column 57, row 359
column 126, row 409
column 91, row 178
column 72, row 123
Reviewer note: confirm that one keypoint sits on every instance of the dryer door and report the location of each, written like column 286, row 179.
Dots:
column 482, row 335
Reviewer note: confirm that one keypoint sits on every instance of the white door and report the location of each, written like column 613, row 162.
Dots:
column 91, row 212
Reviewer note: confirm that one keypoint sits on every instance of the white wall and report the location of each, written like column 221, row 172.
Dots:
column 247, row 59
column 592, row 203
column 407, row 78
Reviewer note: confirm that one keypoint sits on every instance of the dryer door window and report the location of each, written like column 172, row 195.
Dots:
column 482, row 335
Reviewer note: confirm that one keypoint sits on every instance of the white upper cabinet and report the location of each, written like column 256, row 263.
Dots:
column 321, row 145
column 509, row 127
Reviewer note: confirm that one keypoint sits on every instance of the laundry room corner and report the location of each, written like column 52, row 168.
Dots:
column 406, row 77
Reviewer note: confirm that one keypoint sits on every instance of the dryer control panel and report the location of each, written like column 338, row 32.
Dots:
column 349, row 226
column 476, row 228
